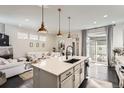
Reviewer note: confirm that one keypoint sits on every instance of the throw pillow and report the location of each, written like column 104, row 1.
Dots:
column 4, row 61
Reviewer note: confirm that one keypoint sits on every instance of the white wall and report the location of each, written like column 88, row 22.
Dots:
column 118, row 35
column 21, row 46
column 2, row 28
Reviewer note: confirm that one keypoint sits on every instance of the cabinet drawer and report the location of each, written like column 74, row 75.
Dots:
column 67, row 83
column 77, row 67
column 66, row 74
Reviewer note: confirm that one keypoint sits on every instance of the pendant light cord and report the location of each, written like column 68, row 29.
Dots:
column 69, row 23
column 42, row 29
column 59, row 18
column 42, row 14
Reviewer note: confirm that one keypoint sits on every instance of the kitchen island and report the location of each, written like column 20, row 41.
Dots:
column 56, row 73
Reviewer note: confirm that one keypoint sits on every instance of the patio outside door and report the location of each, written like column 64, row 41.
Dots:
column 97, row 47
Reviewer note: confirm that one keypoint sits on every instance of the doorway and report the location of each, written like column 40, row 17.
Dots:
column 97, row 47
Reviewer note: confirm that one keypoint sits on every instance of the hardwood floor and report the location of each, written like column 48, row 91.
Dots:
column 99, row 72
column 103, row 73
column 17, row 82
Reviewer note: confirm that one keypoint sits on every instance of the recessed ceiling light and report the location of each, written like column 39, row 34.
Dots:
column 105, row 16
column 113, row 22
column 27, row 20
column 94, row 22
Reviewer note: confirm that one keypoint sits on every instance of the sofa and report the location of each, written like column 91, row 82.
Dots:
column 12, row 67
column 33, row 56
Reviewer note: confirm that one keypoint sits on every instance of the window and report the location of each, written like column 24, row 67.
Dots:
column 42, row 38
column 33, row 37
column 22, row 35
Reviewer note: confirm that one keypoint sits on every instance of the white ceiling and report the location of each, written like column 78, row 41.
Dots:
column 82, row 16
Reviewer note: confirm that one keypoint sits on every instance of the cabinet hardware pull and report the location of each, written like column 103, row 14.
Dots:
column 68, row 73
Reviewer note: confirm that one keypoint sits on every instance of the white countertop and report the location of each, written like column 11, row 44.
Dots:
column 56, row 65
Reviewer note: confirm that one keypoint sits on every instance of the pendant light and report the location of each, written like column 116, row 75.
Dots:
column 59, row 32
column 42, row 29
column 69, row 34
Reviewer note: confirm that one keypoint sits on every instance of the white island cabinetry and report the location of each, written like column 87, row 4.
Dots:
column 66, row 79
column 53, row 74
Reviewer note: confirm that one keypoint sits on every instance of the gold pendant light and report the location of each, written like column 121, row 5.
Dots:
column 42, row 29
column 59, row 33
column 69, row 34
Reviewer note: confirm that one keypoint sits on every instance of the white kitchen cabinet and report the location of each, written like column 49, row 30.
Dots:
column 41, row 79
column 66, row 74
column 68, row 82
column 77, row 79
column 77, row 76
column 71, row 78
column 66, row 79
column 82, row 72
column 59, row 75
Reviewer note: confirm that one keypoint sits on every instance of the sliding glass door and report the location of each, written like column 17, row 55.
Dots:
column 97, row 46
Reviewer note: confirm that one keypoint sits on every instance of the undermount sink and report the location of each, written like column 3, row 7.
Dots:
column 73, row 60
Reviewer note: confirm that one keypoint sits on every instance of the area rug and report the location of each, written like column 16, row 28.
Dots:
column 94, row 83
column 26, row 75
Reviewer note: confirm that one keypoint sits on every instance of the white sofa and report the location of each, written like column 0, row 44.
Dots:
column 12, row 68
column 35, row 55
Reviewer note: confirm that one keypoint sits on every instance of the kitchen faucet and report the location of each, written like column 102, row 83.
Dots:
column 67, row 53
